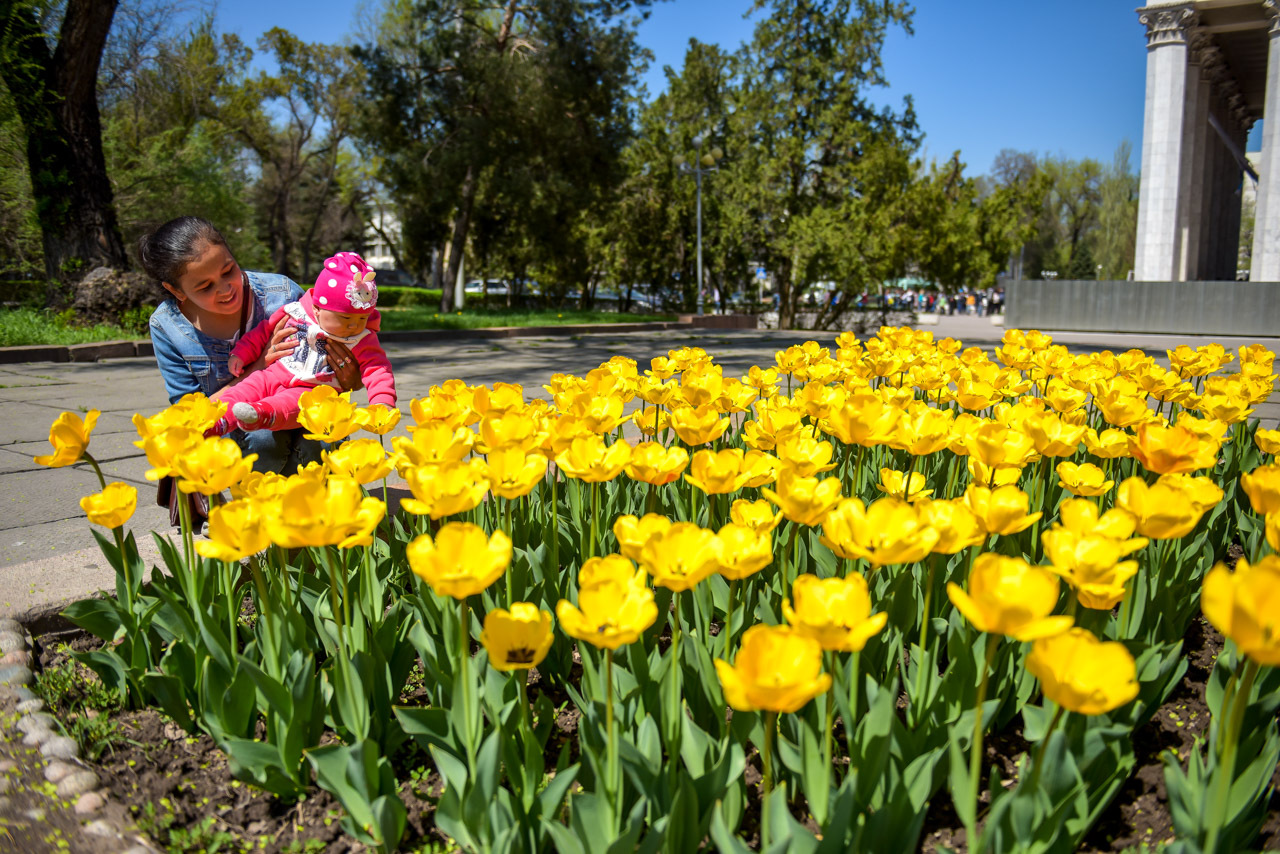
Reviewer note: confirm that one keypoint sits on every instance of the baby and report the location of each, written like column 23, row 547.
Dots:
column 339, row 308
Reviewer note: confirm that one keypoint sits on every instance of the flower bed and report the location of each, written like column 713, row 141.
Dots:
column 935, row 546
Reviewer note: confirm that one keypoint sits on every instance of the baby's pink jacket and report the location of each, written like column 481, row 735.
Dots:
column 375, row 368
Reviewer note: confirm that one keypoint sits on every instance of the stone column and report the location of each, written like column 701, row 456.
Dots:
column 1157, row 252
column 1192, row 215
column 1266, row 230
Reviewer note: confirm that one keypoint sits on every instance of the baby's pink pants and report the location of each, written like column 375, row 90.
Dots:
column 269, row 390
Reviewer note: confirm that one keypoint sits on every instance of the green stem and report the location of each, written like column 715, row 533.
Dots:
column 924, row 635
column 1224, row 774
column 1044, row 744
column 975, row 752
column 851, row 725
column 789, row 567
column 728, row 617
column 126, row 569
column 555, row 529
column 464, row 675
column 766, row 786
column 613, row 786
column 595, row 515
column 508, row 573
column 829, row 718
column 102, row 481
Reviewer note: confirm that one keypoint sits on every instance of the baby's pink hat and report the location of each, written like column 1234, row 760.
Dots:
column 345, row 285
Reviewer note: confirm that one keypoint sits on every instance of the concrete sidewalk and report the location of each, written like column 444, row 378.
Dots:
column 48, row 556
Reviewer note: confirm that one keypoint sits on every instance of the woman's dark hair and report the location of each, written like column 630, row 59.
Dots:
column 166, row 252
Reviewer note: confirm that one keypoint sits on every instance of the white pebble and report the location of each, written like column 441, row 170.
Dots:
column 57, row 771
column 26, row 707
column 98, row 827
column 89, row 803
column 77, row 784
column 60, row 747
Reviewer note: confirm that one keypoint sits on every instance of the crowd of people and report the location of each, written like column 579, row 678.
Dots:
column 981, row 302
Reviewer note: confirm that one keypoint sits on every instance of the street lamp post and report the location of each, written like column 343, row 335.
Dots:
column 704, row 163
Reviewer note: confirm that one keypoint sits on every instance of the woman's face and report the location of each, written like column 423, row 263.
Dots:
column 211, row 284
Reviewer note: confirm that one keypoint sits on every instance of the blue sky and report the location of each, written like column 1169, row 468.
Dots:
column 1050, row 78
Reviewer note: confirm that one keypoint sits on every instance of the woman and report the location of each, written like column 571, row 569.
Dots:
column 211, row 303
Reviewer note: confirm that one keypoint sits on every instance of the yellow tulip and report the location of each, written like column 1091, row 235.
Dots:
column 896, row 484
column 460, row 561
column 804, row 500
column 975, row 395
column 1268, row 441
column 165, row 448
column 651, row 421
column 237, row 529
column 836, row 612
column 1082, row 674
column 325, row 514
column 992, row 478
column 758, row 469
column 1108, row 444
column 1272, row 529
column 923, row 430
column 1008, row 596
column 327, row 415
column 440, row 408
column 445, row 489
column 701, row 388
column 954, row 522
column 193, row 411
column 590, row 460
column 379, row 419
column 716, row 472
column 805, row 455
column 517, row 639
column 760, row 516
column 598, row 414
column 209, row 466
column 864, row 420
column 513, row 473
column 633, row 533
column 609, row 614
column 736, row 396
column 510, row 430
column 1161, row 511
column 698, row 426
column 608, row 568
column 364, row 460
column 69, row 436
column 681, row 556
column 890, row 531
column 1121, row 409
column 504, row 397
column 260, row 486
column 111, row 507
column 1002, row 510
column 1202, row 491
column 1171, row 450
column 1052, row 436
column 432, row 443
column 1063, row 398
column 1085, row 479
column 776, row 670
column 743, row 551
column 1262, row 485
column 996, row 445
column 1244, row 606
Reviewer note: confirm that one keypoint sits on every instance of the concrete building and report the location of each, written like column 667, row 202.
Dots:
column 1213, row 69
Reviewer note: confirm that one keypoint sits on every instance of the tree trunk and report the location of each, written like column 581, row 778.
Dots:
column 56, row 98
column 458, row 244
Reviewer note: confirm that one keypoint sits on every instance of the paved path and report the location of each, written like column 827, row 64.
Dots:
column 47, row 553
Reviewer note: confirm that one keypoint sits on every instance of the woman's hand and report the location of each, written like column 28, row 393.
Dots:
column 283, row 339
column 344, row 365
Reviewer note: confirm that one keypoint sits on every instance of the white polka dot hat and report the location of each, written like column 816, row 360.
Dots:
column 345, row 285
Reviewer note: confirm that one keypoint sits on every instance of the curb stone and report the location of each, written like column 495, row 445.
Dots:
column 73, row 779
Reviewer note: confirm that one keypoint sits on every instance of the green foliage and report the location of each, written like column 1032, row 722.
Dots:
column 23, row 326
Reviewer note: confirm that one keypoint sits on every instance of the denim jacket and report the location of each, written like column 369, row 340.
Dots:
column 191, row 361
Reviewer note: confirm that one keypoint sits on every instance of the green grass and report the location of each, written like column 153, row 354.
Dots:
column 422, row 317
column 19, row 326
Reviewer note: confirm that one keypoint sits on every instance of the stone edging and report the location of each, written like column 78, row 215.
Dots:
column 129, row 349
column 72, row 777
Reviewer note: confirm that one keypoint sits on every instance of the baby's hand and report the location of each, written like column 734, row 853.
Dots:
column 236, row 365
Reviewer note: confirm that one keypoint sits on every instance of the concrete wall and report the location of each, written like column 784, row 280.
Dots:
column 1202, row 308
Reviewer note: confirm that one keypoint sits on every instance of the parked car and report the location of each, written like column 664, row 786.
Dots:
column 497, row 288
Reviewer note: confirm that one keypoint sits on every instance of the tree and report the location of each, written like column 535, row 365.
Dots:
column 1117, row 216
column 469, row 101
column 819, row 165
column 55, row 96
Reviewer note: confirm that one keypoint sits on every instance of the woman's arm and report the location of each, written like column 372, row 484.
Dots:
column 174, row 370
